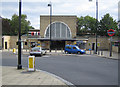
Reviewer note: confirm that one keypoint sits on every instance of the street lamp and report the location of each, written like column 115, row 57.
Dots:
column 96, row 23
column 19, row 39
column 50, row 5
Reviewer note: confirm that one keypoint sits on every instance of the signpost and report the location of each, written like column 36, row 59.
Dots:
column 111, row 32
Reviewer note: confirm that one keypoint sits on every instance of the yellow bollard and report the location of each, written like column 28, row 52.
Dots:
column 14, row 50
column 31, row 63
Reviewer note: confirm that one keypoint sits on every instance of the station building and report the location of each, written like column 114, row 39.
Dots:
column 63, row 32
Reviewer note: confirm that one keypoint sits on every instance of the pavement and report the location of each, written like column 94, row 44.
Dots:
column 105, row 54
column 12, row 76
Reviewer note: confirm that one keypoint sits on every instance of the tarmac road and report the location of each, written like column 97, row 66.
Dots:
column 77, row 69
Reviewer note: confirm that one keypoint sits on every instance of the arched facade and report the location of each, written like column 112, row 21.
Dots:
column 59, row 30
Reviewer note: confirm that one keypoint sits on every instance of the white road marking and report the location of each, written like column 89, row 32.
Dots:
column 45, row 56
column 83, row 55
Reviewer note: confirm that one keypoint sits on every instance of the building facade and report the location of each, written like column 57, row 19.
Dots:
column 63, row 32
column 62, row 26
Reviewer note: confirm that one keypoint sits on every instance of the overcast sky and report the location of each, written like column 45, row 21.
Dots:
column 34, row 8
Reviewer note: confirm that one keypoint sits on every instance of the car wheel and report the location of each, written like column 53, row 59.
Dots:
column 40, row 55
column 79, row 53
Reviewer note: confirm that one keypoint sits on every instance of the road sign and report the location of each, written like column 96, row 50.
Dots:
column 111, row 32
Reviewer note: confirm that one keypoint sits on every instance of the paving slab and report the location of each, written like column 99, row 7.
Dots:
column 12, row 76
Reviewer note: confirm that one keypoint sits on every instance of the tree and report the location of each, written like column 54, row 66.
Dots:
column 86, row 24
column 107, row 23
column 6, row 29
column 25, row 25
column 11, row 27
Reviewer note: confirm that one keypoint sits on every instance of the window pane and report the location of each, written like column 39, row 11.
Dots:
column 53, row 30
column 47, row 33
column 68, row 33
column 74, row 47
column 63, row 31
column 57, row 30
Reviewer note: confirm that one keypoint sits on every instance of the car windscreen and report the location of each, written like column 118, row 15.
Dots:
column 43, row 48
column 35, row 48
column 77, row 47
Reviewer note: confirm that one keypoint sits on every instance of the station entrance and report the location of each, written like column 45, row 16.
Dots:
column 57, row 45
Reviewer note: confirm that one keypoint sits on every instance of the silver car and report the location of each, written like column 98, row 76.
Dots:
column 37, row 51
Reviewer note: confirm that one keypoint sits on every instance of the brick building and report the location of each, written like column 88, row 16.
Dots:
column 63, row 31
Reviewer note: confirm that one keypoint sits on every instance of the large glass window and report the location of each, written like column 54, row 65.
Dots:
column 59, row 30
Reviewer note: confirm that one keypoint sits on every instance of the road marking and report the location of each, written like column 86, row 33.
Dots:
column 45, row 56
column 83, row 55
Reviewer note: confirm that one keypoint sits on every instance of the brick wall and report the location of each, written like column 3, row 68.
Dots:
column 69, row 20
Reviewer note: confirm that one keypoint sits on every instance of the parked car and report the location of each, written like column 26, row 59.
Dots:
column 73, row 49
column 37, row 51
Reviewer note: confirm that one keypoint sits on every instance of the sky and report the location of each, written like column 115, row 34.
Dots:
column 34, row 8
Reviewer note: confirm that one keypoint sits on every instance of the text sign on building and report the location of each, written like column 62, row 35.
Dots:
column 31, row 63
column 111, row 32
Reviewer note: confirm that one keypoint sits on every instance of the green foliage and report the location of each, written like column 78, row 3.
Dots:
column 14, row 25
column 107, row 23
column 88, row 24
column 6, row 26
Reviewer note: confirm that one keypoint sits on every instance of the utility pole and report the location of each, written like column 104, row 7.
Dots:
column 50, row 5
column 96, row 25
column 19, row 39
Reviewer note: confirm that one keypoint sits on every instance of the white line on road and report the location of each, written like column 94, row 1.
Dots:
column 45, row 56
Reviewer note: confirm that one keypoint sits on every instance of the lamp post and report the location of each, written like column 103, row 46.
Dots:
column 96, row 24
column 50, row 5
column 19, row 39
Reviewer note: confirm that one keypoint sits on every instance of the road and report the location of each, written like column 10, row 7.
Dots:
column 77, row 69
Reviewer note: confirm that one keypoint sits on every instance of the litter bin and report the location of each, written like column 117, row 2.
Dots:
column 31, row 63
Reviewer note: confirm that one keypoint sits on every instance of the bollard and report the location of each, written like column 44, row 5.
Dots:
column 98, row 52
column 55, row 50
column 14, row 50
column 101, row 53
column 31, row 63
column 90, row 52
column 61, row 49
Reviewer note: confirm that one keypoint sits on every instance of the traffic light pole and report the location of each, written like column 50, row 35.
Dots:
column 19, row 39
